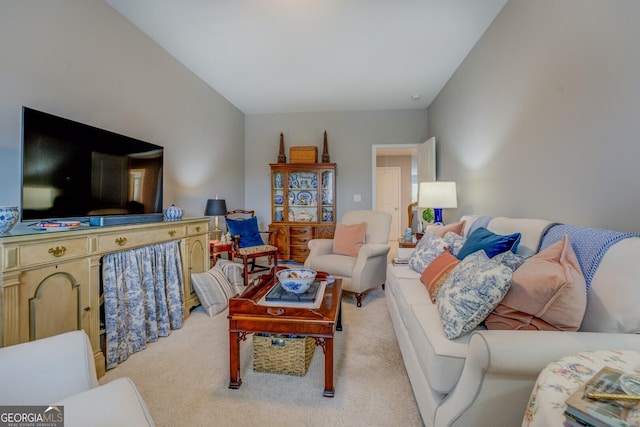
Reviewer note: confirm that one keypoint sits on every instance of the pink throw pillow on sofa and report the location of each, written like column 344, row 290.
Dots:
column 441, row 230
column 505, row 318
column 435, row 274
column 550, row 286
column 348, row 238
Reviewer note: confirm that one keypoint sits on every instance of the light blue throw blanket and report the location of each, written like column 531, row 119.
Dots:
column 589, row 244
column 481, row 221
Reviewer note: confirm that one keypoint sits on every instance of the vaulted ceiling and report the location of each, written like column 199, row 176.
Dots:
column 276, row 56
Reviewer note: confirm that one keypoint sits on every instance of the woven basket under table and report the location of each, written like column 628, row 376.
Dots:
column 282, row 355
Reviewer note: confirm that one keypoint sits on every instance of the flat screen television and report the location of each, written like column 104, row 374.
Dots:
column 73, row 171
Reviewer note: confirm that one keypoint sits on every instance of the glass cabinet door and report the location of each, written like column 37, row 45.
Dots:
column 277, row 193
column 302, row 200
column 327, row 197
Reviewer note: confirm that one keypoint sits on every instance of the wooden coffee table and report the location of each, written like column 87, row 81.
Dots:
column 247, row 317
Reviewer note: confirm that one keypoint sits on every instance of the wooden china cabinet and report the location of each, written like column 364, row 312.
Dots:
column 303, row 207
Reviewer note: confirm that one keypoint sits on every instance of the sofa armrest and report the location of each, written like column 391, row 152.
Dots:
column 47, row 370
column 371, row 264
column 370, row 250
column 502, row 366
column 117, row 402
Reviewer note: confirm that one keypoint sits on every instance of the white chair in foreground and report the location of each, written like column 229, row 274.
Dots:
column 358, row 252
column 60, row 371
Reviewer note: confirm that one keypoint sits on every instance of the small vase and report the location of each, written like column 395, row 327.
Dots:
column 8, row 217
column 173, row 213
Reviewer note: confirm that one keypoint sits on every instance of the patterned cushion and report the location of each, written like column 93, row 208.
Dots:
column 511, row 260
column 472, row 290
column 233, row 271
column 213, row 290
column 492, row 243
column 257, row 250
column 455, row 242
column 436, row 273
column 427, row 249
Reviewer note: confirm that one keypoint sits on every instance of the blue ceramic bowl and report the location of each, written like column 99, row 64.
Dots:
column 296, row 280
column 8, row 217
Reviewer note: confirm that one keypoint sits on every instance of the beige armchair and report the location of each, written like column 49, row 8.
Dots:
column 359, row 273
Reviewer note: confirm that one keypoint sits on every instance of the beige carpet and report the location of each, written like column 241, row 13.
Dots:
column 184, row 378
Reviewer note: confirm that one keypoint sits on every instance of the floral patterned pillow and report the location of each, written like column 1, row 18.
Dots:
column 473, row 289
column 454, row 241
column 511, row 260
column 427, row 249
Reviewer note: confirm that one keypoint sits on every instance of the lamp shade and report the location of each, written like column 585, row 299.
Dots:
column 438, row 195
column 216, row 207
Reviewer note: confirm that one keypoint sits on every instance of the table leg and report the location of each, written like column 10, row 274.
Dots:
column 234, row 361
column 328, row 368
column 339, row 325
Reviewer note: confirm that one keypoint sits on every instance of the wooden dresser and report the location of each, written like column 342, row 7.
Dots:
column 50, row 280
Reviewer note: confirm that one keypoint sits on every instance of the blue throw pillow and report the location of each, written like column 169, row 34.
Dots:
column 493, row 244
column 247, row 229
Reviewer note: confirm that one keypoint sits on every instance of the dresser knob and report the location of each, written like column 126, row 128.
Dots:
column 197, row 229
column 172, row 233
column 121, row 241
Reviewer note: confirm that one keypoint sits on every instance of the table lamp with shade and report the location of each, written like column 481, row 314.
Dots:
column 215, row 208
column 438, row 195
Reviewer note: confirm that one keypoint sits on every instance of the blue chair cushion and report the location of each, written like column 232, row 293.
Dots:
column 248, row 231
column 493, row 244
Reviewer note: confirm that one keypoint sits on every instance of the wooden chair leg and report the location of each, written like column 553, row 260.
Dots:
column 246, row 272
column 359, row 300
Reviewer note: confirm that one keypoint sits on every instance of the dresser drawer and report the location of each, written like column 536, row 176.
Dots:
column 301, row 233
column 299, row 252
column 46, row 252
column 195, row 229
column 132, row 239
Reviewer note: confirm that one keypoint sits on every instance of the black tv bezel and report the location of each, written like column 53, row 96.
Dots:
column 101, row 135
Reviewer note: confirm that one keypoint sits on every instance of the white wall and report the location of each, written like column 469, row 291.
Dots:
column 542, row 119
column 81, row 60
column 350, row 137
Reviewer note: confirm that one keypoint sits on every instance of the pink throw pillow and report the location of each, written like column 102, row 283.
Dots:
column 550, row 286
column 505, row 318
column 435, row 274
column 441, row 230
column 348, row 238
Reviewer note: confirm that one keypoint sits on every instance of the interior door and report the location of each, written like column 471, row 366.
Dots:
column 388, row 197
column 427, row 160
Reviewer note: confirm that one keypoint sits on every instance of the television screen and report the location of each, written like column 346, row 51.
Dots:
column 73, row 170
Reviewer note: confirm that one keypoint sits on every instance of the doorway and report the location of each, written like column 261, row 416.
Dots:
column 417, row 163
column 388, row 196
column 405, row 158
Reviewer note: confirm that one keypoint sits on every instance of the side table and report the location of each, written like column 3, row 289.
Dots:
column 404, row 243
column 559, row 379
column 216, row 249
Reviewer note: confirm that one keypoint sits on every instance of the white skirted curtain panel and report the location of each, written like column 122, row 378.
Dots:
column 143, row 298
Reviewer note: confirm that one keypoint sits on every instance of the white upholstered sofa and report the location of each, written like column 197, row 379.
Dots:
column 60, row 370
column 484, row 378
